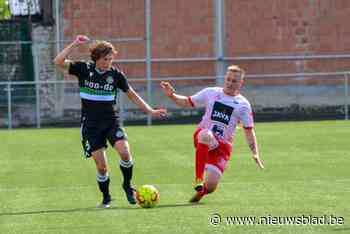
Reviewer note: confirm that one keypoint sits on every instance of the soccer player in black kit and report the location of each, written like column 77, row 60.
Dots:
column 99, row 83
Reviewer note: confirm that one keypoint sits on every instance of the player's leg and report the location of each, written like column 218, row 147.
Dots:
column 204, row 140
column 118, row 139
column 215, row 168
column 94, row 145
column 126, row 167
column 125, row 163
column 212, row 179
column 102, row 176
column 213, row 176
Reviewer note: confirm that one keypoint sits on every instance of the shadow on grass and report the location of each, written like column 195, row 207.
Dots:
column 91, row 209
column 347, row 229
column 87, row 209
column 178, row 205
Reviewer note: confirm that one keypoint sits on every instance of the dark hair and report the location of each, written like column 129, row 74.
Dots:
column 101, row 49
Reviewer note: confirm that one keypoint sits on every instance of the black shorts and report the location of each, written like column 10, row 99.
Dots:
column 94, row 134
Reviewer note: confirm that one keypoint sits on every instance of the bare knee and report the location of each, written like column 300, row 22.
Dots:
column 101, row 169
column 125, row 155
column 100, row 161
column 211, row 188
column 212, row 180
column 205, row 136
column 122, row 147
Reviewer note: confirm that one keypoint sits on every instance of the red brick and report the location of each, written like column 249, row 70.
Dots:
column 300, row 31
column 186, row 29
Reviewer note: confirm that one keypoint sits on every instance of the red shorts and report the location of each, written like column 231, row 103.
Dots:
column 219, row 156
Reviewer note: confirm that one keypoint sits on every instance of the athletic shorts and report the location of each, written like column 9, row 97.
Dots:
column 94, row 134
column 218, row 156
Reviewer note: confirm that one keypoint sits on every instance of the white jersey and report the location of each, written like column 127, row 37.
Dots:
column 222, row 112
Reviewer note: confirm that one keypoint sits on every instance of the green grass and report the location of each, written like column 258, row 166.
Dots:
column 47, row 187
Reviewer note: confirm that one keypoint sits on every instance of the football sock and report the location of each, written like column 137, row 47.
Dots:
column 200, row 194
column 202, row 154
column 204, row 191
column 103, row 184
column 126, row 168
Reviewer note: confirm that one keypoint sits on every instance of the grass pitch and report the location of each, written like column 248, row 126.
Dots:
column 47, row 187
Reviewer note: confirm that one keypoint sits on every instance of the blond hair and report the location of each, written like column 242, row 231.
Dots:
column 236, row 68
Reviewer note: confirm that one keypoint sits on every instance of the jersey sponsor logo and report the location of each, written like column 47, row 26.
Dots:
column 221, row 113
column 110, row 80
column 97, row 86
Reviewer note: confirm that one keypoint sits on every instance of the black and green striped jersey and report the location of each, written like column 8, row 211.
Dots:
column 98, row 90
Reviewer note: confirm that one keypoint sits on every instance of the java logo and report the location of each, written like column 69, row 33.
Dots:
column 221, row 113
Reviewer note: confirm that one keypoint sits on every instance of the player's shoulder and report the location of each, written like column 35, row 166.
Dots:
column 77, row 67
column 80, row 62
column 212, row 90
column 243, row 101
column 118, row 71
column 241, row 98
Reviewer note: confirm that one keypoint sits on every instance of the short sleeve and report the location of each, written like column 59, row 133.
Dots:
column 77, row 68
column 122, row 82
column 200, row 99
column 246, row 116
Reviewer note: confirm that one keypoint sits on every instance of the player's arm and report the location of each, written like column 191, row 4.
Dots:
column 169, row 91
column 253, row 145
column 61, row 60
column 137, row 100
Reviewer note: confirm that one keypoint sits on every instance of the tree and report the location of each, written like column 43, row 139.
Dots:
column 4, row 10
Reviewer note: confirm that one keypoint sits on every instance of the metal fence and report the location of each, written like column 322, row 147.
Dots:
column 298, row 97
column 49, row 101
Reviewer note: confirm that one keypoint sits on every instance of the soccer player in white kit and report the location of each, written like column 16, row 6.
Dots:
column 225, row 108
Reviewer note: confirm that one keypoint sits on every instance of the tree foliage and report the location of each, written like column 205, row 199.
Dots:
column 4, row 10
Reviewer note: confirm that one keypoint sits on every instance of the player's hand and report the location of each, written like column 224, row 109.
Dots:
column 81, row 39
column 159, row 113
column 167, row 88
column 258, row 161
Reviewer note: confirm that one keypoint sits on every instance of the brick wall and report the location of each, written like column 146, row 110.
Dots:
column 288, row 27
column 186, row 29
column 177, row 30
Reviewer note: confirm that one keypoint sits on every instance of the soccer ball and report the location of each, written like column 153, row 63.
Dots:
column 147, row 196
